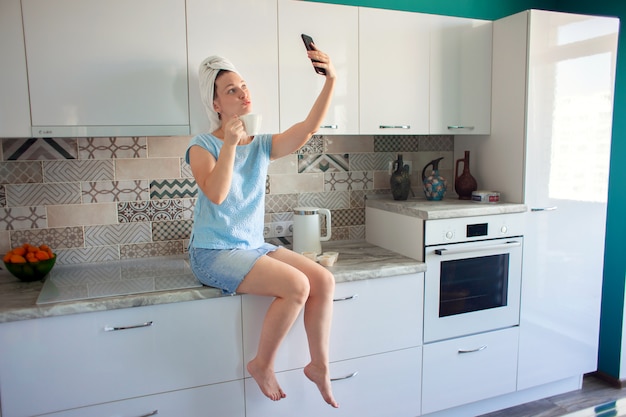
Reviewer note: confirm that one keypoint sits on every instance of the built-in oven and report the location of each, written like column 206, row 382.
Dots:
column 473, row 275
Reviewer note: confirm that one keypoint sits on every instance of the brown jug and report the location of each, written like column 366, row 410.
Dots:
column 465, row 183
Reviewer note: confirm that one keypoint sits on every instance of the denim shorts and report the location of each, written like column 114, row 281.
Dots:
column 225, row 268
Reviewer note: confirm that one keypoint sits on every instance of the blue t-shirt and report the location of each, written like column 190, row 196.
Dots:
column 238, row 222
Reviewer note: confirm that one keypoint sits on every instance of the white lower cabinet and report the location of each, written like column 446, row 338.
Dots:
column 387, row 384
column 467, row 369
column 80, row 360
column 370, row 316
column 224, row 399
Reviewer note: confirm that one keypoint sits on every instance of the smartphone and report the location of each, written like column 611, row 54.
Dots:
column 307, row 44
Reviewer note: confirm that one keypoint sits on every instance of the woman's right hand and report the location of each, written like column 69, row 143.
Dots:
column 234, row 131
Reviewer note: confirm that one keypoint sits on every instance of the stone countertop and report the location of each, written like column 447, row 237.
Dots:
column 358, row 260
column 444, row 209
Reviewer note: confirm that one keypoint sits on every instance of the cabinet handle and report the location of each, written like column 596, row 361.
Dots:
column 329, row 127
column 543, row 208
column 483, row 347
column 154, row 413
column 350, row 297
column 136, row 326
column 394, row 127
column 352, row 375
column 454, row 127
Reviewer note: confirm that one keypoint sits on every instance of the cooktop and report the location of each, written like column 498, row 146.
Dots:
column 87, row 281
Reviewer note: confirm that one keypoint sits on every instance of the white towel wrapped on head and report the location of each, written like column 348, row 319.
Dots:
column 209, row 68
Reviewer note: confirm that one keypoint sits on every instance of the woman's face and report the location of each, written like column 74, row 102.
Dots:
column 231, row 95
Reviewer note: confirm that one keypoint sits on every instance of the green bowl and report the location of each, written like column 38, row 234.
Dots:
column 31, row 271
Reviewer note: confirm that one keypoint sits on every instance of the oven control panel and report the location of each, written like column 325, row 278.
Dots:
column 468, row 229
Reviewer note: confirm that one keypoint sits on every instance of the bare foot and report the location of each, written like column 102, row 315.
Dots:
column 266, row 380
column 321, row 378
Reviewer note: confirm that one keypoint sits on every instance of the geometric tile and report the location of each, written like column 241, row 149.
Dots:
column 3, row 197
column 39, row 149
column 377, row 161
column 148, row 250
column 396, row 143
column 436, row 143
column 181, row 188
column 322, row 163
column 331, row 200
column 349, row 217
column 20, row 172
column 314, row 145
column 110, row 148
column 19, row 195
column 113, row 234
column 353, row 180
column 78, row 170
column 171, row 230
column 277, row 203
column 110, row 191
column 18, row 218
column 56, row 238
column 152, row 210
column 185, row 169
column 87, row 255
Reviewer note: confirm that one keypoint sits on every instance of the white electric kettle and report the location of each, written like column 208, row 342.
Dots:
column 306, row 229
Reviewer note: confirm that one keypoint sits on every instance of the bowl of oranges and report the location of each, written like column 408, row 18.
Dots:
column 29, row 262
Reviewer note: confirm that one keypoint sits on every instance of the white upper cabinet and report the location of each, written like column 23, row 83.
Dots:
column 394, row 72
column 14, row 105
column 115, row 68
column 334, row 29
column 244, row 32
column 460, row 76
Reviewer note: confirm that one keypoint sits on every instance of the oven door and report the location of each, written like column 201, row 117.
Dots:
column 472, row 287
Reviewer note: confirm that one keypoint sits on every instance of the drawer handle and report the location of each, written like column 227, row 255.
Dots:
column 154, row 413
column 483, row 347
column 394, row 127
column 350, row 297
column 136, row 326
column 329, row 127
column 341, row 378
column 460, row 127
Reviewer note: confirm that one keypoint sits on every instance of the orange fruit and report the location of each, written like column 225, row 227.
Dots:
column 42, row 255
column 30, row 257
column 20, row 251
column 18, row 259
column 7, row 257
column 44, row 247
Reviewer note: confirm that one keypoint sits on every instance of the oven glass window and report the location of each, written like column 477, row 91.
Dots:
column 473, row 284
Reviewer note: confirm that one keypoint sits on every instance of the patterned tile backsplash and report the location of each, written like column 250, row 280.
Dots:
column 102, row 199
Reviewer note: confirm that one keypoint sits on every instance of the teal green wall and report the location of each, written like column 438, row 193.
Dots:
column 615, row 256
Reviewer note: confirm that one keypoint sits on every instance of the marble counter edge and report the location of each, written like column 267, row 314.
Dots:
column 353, row 257
column 421, row 210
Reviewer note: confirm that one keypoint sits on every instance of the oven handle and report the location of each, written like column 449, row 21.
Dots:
column 510, row 244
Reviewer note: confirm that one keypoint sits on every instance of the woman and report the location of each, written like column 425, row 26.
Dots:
column 227, row 249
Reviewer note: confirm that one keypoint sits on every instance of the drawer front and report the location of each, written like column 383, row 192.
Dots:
column 371, row 316
column 384, row 385
column 469, row 369
column 196, row 402
column 79, row 360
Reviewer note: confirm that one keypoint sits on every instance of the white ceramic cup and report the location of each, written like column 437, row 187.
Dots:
column 252, row 123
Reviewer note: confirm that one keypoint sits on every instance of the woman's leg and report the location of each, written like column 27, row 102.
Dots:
column 318, row 312
column 290, row 287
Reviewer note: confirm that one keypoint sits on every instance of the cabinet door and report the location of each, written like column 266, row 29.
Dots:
column 115, row 68
column 394, row 71
column 380, row 385
column 369, row 317
column 14, row 104
column 467, row 369
column 244, row 32
column 79, row 360
column 196, row 402
column 334, row 29
column 460, row 76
